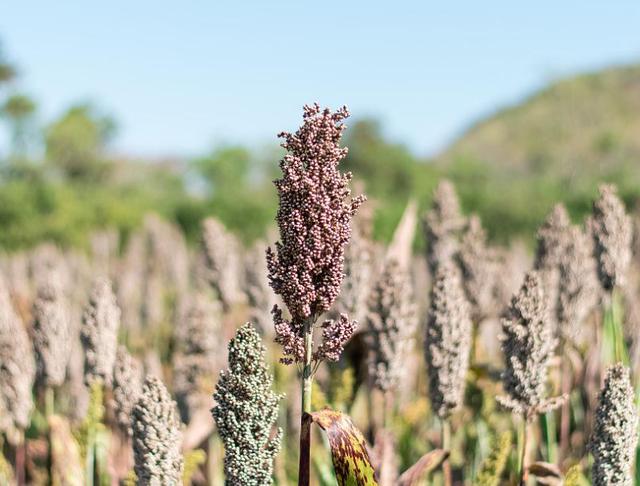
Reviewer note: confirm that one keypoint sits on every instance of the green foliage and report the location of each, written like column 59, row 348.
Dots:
column 192, row 461
column 92, row 423
column 510, row 169
column 494, row 465
column 75, row 142
column 574, row 476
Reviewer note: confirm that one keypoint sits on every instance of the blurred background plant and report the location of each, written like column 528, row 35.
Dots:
column 61, row 179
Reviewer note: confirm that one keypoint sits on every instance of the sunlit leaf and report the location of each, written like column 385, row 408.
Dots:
column 573, row 476
column 348, row 449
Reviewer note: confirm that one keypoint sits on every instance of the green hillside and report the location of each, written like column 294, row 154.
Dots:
column 585, row 125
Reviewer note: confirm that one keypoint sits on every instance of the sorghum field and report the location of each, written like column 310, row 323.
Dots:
column 321, row 356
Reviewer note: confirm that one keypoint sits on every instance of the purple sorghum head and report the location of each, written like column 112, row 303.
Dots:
column 314, row 216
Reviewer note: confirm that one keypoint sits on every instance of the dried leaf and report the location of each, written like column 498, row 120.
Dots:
column 546, row 473
column 348, row 449
column 427, row 463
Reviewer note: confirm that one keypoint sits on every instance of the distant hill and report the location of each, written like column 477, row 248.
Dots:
column 588, row 124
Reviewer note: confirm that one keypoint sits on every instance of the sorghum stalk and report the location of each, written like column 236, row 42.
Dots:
column 524, row 471
column 307, row 267
column 446, row 445
column 304, row 464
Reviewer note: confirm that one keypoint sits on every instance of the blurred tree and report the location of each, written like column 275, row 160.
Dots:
column 18, row 110
column 238, row 189
column 75, row 143
column 7, row 70
column 225, row 169
column 386, row 167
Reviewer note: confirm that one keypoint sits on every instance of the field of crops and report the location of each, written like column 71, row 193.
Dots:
column 320, row 356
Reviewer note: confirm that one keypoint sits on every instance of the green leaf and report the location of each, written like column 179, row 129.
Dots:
column 192, row 461
column 348, row 449
column 494, row 465
column 573, row 476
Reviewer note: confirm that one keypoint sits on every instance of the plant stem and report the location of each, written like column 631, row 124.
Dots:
column 90, row 460
column 386, row 410
column 446, row 445
column 211, row 460
column 305, row 422
column 524, row 472
column 49, row 402
column 49, row 410
column 614, row 348
column 565, row 411
column 21, row 476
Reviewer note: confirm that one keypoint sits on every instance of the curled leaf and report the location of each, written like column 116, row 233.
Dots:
column 427, row 463
column 546, row 473
column 348, row 449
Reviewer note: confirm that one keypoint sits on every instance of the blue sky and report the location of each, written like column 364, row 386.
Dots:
column 181, row 76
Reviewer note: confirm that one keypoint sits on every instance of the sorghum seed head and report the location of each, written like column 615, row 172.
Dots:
column 127, row 387
column 221, row 264
column 615, row 433
column 245, row 412
column 99, row 334
column 441, row 225
column 314, row 216
column 552, row 238
column 197, row 347
column 51, row 332
column 17, row 370
column 479, row 267
column 156, row 436
column 448, row 341
column 612, row 233
column 528, row 346
column 578, row 284
column 391, row 322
